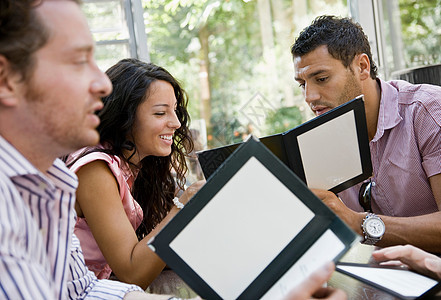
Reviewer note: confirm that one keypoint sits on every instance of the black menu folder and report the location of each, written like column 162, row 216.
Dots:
column 399, row 282
column 329, row 152
column 253, row 231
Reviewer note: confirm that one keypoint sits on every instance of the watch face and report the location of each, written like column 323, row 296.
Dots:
column 374, row 227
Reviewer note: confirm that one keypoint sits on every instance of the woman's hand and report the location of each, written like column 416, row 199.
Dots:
column 191, row 191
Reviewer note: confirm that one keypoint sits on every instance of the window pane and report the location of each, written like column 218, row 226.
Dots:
column 108, row 55
column 412, row 31
column 109, row 28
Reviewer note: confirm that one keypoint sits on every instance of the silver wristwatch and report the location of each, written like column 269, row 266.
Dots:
column 373, row 229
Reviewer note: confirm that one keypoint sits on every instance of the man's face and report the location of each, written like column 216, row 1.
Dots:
column 325, row 81
column 65, row 88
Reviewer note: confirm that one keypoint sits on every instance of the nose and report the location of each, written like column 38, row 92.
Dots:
column 174, row 122
column 101, row 85
column 311, row 94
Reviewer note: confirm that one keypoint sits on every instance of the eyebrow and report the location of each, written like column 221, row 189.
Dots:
column 318, row 72
column 165, row 105
column 77, row 50
column 85, row 48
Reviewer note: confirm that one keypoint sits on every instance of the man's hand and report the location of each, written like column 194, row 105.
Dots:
column 312, row 286
column 413, row 257
column 350, row 217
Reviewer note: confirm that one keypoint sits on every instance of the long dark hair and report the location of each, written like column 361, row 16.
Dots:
column 155, row 185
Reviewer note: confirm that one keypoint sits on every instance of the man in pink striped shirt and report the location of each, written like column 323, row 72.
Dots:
column 333, row 64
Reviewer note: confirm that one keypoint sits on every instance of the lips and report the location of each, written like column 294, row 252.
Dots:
column 319, row 110
column 97, row 105
column 91, row 113
column 167, row 137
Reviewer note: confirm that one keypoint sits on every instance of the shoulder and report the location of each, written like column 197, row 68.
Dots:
column 420, row 98
column 410, row 93
column 94, row 168
column 111, row 160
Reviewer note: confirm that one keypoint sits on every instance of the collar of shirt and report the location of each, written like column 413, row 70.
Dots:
column 389, row 104
column 15, row 165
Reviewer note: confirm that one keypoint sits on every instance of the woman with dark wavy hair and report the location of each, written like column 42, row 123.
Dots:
column 127, row 188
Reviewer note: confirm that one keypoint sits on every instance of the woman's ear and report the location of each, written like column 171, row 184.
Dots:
column 8, row 81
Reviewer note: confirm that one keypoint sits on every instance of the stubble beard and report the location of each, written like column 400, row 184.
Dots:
column 53, row 125
column 351, row 89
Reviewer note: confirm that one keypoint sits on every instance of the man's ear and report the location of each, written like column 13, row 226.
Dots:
column 7, row 83
column 363, row 66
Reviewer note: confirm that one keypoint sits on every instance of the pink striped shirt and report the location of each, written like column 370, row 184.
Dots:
column 405, row 151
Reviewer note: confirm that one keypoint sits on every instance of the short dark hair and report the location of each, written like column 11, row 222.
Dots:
column 22, row 33
column 344, row 38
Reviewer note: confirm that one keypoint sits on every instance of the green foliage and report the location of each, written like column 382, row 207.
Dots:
column 173, row 29
column 238, row 66
column 225, row 131
column 179, row 31
column 421, row 31
column 225, row 35
column 284, row 119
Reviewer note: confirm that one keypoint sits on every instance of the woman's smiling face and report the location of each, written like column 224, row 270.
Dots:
column 156, row 122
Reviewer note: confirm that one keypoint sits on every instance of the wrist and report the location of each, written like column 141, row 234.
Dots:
column 373, row 229
column 359, row 217
column 178, row 204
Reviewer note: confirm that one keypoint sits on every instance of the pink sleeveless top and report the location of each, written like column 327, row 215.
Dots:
column 95, row 260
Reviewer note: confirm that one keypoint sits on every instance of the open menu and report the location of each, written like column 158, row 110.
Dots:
column 329, row 152
column 253, row 231
column 399, row 282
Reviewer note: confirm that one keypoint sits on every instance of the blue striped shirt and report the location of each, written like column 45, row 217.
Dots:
column 40, row 257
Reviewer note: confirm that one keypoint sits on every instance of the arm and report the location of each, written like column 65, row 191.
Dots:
column 415, row 258
column 146, row 296
column 422, row 231
column 312, row 286
column 99, row 202
column 83, row 284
